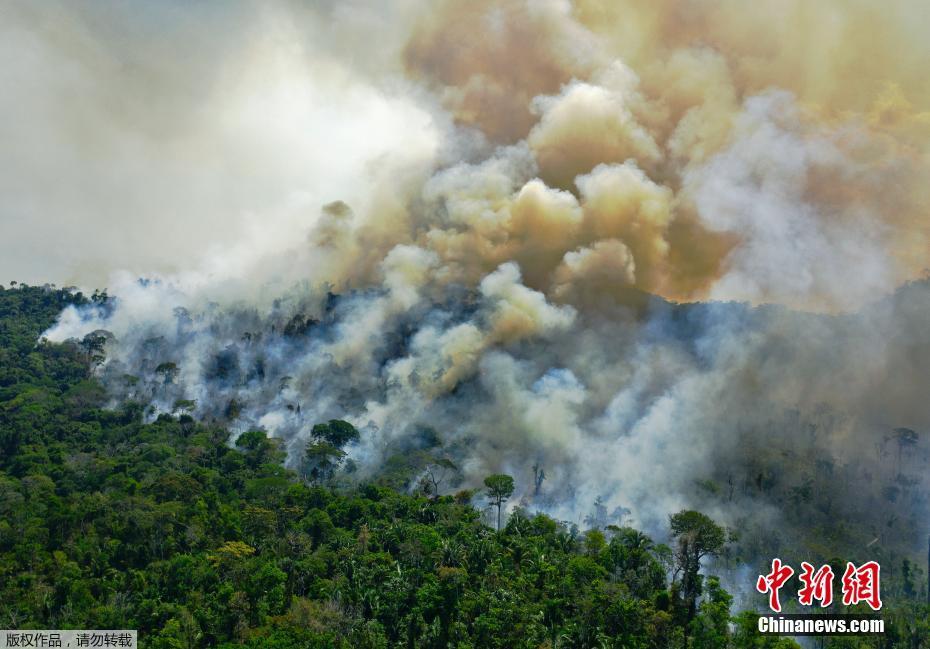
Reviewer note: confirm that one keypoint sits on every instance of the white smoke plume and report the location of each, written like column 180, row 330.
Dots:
column 478, row 218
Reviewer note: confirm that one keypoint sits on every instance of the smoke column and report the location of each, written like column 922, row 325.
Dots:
column 660, row 249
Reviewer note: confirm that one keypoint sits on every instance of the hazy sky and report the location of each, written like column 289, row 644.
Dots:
column 488, row 185
column 696, row 149
column 137, row 135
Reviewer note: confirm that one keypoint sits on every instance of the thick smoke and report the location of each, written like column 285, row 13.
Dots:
column 140, row 136
column 510, row 279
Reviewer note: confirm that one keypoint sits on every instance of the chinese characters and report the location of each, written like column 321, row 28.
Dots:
column 859, row 584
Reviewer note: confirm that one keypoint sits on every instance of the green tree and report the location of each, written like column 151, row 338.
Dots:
column 321, row 460
column 698, row 536
column 500, row 488
column 168, row 372
column 335, row 432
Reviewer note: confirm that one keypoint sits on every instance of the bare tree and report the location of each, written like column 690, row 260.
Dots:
column 539, row 474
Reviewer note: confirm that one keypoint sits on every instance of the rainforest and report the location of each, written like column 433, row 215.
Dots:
column 505, row 323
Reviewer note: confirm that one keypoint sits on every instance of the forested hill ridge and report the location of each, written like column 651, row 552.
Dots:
column 168, row 528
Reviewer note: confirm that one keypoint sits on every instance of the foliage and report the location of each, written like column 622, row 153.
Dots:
column 500, row 488
column 698, row 536
column 196, row 540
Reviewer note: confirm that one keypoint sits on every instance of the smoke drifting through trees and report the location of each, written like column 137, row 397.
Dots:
column 499, row 286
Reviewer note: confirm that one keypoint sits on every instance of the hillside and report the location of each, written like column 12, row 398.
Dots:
column 165, row 527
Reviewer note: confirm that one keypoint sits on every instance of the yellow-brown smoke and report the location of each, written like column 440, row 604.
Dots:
column 768, row 151
column 536, row 161
column 720, row 144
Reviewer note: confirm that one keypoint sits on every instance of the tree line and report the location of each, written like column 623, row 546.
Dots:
column 172, row 528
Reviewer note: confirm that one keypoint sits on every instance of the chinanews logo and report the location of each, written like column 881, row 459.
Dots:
column 860, row 585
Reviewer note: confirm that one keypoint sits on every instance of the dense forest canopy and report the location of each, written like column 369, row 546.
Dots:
column 542, row 323
column 173, row 528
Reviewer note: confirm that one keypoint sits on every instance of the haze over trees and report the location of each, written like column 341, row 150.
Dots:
column 200, row 538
